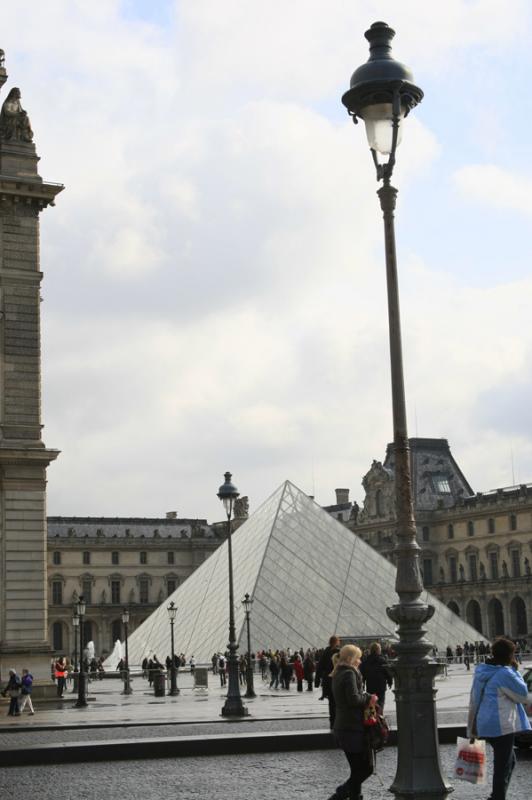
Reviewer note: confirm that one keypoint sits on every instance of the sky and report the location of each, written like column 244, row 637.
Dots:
column 214, row 291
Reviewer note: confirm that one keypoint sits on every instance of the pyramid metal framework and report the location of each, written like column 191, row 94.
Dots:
column 309, row 577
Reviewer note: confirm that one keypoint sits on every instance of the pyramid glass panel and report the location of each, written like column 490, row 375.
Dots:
column 309, row 577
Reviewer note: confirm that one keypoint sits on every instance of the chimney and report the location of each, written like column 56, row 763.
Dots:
column 171, row 515
column 342, row 496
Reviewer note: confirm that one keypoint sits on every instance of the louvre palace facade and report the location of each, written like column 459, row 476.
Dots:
column 476, row 548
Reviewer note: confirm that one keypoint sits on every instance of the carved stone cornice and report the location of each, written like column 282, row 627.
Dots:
column 31, row 191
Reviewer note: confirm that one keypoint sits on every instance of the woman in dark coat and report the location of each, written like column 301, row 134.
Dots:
column 350, row 701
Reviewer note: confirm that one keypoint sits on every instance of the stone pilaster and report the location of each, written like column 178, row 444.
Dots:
column 23, row 455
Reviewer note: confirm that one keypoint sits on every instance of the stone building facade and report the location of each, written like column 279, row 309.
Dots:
column 121, row 562
column 476, row 548
column 24, row 457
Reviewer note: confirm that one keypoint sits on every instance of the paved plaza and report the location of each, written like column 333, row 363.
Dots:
column 144, row 719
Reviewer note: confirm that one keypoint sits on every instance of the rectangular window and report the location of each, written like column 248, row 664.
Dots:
column 516, row 564
column 144, row 585
column 86, row 557
column 56, row 558
column 491, row 525
column 473, row 568
column 470, row 528
column 86, row 591
column 57, row 593
column 115, row 592
column 115, row 557
column 426, row 533
column 427, row 571
column 513, row 522
column 170, row 558
column 494, row 566
column 450, row 531
column 452, row 569
column 143, row 557
column 171, row 586
column 442, row 485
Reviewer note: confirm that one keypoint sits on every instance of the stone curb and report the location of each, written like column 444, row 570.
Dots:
column 189, row 746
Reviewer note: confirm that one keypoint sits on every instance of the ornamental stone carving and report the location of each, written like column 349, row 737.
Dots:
column 14, row 121
column 379, row 502
column 242, row 508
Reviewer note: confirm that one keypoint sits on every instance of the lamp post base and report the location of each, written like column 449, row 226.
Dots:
column 81, row 702
column 419, row 772
column 234, row 707
column 174, row 691
column 250, row 691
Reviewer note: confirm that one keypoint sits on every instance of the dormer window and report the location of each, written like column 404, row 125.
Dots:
column 441, row 484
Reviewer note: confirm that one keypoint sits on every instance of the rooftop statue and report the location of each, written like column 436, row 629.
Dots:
column 14, row 122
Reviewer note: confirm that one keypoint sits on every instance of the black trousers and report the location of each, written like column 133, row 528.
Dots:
column 503, row 764
column 361, row 769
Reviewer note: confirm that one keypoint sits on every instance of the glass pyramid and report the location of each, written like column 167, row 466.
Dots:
column 309, row 577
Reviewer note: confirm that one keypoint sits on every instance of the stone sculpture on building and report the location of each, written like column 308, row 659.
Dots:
column 14, row 121
column 242, row 508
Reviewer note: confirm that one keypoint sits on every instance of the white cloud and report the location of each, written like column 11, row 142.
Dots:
column 214, row 277
column 489, row 184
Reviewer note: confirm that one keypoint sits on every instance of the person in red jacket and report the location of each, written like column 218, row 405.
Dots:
column 299, row 672
column 60, row 675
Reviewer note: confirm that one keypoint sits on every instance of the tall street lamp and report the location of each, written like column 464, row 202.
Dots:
column 233, row 706
column 75, row 628
column 125, row 623
column 172, row 611
column 247, row 602
column 382, row 94
column 81, row 702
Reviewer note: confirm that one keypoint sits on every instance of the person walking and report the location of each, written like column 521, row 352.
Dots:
column 324, row 672
column 222, row 666
column 376, row 673
column 274, row 672
column 25, row 691
column 13, row 689
column 350, row 702
column 496, row 712
column 60, row 675
column 309, row 669
column 299, row 672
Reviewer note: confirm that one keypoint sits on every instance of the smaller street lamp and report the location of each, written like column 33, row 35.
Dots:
column 172, row 611
column 247, row 602
column 81, row 702
column 125, row 622
column 75, row 626
column 233, row 707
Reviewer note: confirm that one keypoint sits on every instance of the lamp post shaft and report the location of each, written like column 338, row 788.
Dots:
column 127, row 683
column 173, row 676
column 75, row 673
column 419, row 775
column 233, row 706
column 82, row 678
column 250, row 691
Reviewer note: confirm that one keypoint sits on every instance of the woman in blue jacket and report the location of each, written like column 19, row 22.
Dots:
column 496, row 712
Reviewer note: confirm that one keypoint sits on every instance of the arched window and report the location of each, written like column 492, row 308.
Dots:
column 518, row 617
column 495, row 618
column 116, row 632
column 57, row 636
column 454, row 607
column 473, row 615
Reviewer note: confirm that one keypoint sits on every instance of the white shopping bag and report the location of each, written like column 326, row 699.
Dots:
column 470, row 760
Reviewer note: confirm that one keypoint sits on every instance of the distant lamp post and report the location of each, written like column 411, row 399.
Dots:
column 234, row 706
column 75, row 628
column 382, row 94
column 247, row 602
column 125, row 623
column 172, row 611
column 81, row 702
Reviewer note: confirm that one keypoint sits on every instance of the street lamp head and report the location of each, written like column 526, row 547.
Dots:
column 172, row 611
column 228, row 493
column 81, row 606
column 382, row 92
column 247, row 602
column 125, row 616
column 75, row 619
